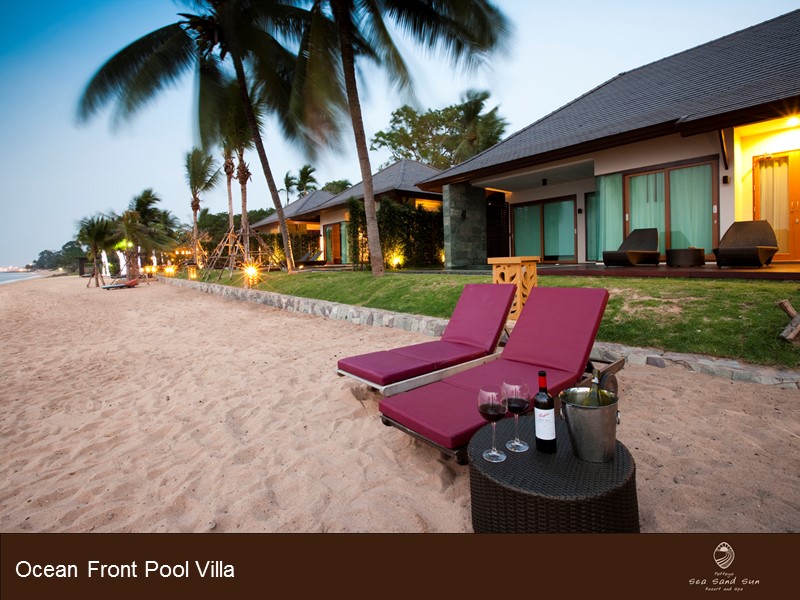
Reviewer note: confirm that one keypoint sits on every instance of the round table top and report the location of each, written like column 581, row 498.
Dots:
column 559, row 475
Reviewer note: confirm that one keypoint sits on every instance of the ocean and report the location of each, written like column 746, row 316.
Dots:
column 11, row 277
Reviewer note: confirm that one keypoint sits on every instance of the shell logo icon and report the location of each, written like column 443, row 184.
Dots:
column 724, row 555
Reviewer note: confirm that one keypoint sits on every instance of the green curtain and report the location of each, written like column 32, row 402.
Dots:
column 559, row 230
column 647, row 204
column 527, row 230
column 604, row 224
column 328, row 243
column 690, row 207
column 343, row 242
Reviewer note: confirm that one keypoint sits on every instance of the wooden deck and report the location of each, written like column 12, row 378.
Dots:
column 775, row 271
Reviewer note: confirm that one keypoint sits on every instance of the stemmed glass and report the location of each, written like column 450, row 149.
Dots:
column 518, row 399
column 493, row 406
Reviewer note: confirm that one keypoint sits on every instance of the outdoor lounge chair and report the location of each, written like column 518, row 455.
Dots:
column 747, row 244
column 554, row 333
column 121, row 286
column 310, row 260
column 470, row 338
column 639, row 248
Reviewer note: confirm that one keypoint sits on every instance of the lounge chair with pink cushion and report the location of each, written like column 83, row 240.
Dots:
column 554, row 333
column 470, row 338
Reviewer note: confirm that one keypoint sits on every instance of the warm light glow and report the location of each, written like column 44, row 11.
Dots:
column 396, row 260
column 169, row 271
column 793, row 122
column 192, row 271
column 251, row 274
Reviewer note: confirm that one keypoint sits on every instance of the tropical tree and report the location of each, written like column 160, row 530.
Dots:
column 442, row 137
column 337, row 186
column 289, row 184
column 241, row 31
column 306, row 181
column 202, row 174
column 98, row 233
column 467, row 31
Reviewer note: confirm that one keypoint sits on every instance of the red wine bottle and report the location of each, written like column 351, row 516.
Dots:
column 544, row 412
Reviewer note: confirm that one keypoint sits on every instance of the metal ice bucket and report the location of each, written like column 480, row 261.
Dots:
column 592, row 429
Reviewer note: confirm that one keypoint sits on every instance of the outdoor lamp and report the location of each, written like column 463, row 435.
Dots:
column 192, row 270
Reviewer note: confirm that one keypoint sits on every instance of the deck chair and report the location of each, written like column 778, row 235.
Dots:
column 121, row 286
column 747, row 244
column 639, row 248
column 311, row 260
column 555, row 333
column 470, row 338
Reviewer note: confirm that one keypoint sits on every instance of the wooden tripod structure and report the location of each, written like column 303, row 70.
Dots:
column 237, row 255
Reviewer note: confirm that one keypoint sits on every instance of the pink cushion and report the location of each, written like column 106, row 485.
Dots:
column 440, row 354
column 501, row 369
column 557, row 328
column 443, row 413
column 385, row 367
column 480, row 315
column 472, row 332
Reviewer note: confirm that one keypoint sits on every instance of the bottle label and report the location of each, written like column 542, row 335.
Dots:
column 545, row 423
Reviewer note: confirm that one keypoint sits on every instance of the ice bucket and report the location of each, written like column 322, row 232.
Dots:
column 592, row 429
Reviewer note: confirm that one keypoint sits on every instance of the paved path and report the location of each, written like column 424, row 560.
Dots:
column 720, row 367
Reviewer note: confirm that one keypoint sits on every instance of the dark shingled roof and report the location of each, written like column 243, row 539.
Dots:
column 302, row 205
column 401, row 176
column 753, row 74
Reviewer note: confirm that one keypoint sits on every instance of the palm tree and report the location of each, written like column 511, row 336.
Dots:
column 99, row 234
column 202, row 174
column 467, row 31
column 306, row 180
column 477, row 131
column 239, row 30
column 230, row 172
column 289, row 183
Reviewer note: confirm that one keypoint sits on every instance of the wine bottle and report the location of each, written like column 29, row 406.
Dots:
column 593, row 399
column 544, row 414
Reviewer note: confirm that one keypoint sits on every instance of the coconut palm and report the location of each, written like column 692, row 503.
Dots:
column 477, row 132
column 241, row 31
column 289, row 184
column 306, row 181
column 202, row 174
column 98, row 233
column 467, row 31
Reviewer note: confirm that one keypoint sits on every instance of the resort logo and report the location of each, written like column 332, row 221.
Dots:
column 724, row 555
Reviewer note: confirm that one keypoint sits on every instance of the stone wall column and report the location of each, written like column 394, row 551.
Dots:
column 464, row 214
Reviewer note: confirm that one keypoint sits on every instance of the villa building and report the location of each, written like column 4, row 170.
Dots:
column 687, row 144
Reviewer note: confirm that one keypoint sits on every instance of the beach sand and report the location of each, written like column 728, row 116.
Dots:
column 162, row 409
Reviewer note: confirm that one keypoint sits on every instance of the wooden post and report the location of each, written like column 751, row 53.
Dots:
column 519, row 270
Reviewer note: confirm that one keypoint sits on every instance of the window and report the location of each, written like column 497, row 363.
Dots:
column 545, row 229
column 336, row 243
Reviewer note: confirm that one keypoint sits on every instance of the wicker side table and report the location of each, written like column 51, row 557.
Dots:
column 532, row 492
column 686, row 257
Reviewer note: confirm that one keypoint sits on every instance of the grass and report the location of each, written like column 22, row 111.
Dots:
column 727, row 318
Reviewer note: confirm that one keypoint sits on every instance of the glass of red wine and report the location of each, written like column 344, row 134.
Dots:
column 518, row 399
column 493, row 407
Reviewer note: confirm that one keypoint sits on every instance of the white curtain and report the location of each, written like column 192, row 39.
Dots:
column 774, row 196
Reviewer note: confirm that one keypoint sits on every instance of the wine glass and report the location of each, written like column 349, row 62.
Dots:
column 518, row 399
column 493, row 406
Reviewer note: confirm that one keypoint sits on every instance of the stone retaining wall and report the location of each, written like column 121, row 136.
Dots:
column 360, row 315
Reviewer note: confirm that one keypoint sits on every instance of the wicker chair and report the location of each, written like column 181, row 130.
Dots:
column 747, row 244
column 639, row 248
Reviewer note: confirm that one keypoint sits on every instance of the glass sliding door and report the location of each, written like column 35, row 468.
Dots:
column 680, row 201
column 545, row 229
column 559, row 231
column 527, row 230
column 604, row 224
column 690, row 208
column 647, row 204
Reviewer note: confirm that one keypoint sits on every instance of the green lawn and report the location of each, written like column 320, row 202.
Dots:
column 719, row 317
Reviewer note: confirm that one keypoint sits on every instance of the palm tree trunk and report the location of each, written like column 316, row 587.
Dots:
column 262, row 156
column 229, row 175
column 340, row 15
column 243, row 176
column 195, row 208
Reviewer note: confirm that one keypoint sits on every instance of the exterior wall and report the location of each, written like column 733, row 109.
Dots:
column 464, row 214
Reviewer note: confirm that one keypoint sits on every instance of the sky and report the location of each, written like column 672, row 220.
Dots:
column 55, row 171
